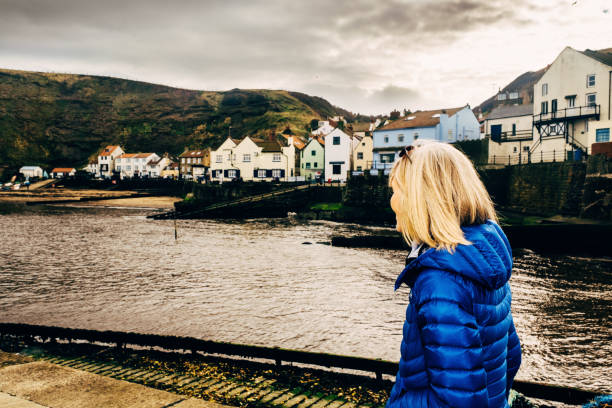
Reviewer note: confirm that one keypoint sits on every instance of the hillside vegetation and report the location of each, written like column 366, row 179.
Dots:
column 63, row 119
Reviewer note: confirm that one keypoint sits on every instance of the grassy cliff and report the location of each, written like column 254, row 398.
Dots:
column 63, row 119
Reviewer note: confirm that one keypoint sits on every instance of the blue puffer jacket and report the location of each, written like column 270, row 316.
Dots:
column 459, row 346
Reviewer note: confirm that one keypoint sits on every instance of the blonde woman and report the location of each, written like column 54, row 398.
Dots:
column 459, row 346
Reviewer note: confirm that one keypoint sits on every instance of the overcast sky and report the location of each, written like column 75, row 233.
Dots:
column 367, row 56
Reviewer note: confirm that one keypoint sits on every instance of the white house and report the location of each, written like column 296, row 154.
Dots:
column 31, row 171
column 509, row 130
column 106, row 160
column 323, row 129
column 338, row 150
column 134, row 164
column 572, row 105
column 253, row 159
column 60, row 172
column 443, row 125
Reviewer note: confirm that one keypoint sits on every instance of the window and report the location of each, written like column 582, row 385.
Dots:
column 514, row 129
column 358, row 168
column 219, row 158
column 571, row 101
column 359, row 155
column 363, row 144
column 514, row 95
column 336, row 140
column 231, row 173
column 544, row 89
column 387, row 158
column 276, row 157
column 200, row 160
column 261, row 173
column 307, row 165
column 314, row 165
column 119, row 168
column 544, row 108
column 128, row 168
column 313, row 153
column 602, row 135
column 336, row 169
column 501, row 97
column 591, row 99
column 400, row 138
column 276, row 173
column 246, row 157
column 525, row 148
column 553, row 105
column 416, row 135
column 515, row 149
column 590, row 80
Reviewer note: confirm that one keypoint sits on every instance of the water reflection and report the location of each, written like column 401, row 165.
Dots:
column 256, row 282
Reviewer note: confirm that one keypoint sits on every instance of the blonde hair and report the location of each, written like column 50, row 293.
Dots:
column 439, row 191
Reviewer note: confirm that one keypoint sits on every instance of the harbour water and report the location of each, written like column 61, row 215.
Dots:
column 275, row 283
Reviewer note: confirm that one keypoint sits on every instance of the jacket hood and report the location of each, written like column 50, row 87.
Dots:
column 487, row 261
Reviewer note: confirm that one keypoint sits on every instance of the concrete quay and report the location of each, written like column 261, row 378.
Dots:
column 26, row 383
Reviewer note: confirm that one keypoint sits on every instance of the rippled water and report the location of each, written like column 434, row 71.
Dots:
column 258, row 282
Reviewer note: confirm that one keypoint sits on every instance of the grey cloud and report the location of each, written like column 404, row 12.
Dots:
column 222, row 44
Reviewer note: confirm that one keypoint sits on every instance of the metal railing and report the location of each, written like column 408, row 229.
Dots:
column 122, row 340
column 576, row 112
column 510, row 136
column 539, row 157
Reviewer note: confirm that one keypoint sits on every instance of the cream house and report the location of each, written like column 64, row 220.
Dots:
column 572, row 105
column 222, row 161
column 509, row 130
column 155, row 167
column 363, row 153
column 253, row 159
column 189, row 158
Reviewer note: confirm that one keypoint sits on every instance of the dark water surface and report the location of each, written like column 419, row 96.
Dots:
column 256, row 282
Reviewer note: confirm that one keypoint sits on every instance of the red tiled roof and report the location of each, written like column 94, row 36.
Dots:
column 108, row 150
column 420, row 119
column 135, row 155
column 62, row 170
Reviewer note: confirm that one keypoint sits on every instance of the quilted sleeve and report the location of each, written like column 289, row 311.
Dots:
column 514, row 356
column 451, row 339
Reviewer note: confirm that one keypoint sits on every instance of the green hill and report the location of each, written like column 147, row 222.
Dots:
column 63, row 119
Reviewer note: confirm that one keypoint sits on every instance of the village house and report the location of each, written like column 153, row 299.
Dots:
column 134, row 164
column 171, row 171
column 442, row 125
column 312, row 159
column 323, row 128
column 572, row 105
column 106, row 161
column 253, row 159
column 31, row 171
column 155, row 167
column 338, row 150
column 299, row 144
column 509, row 130
column 190, row 158
column 60, row 172
column 363, row 154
